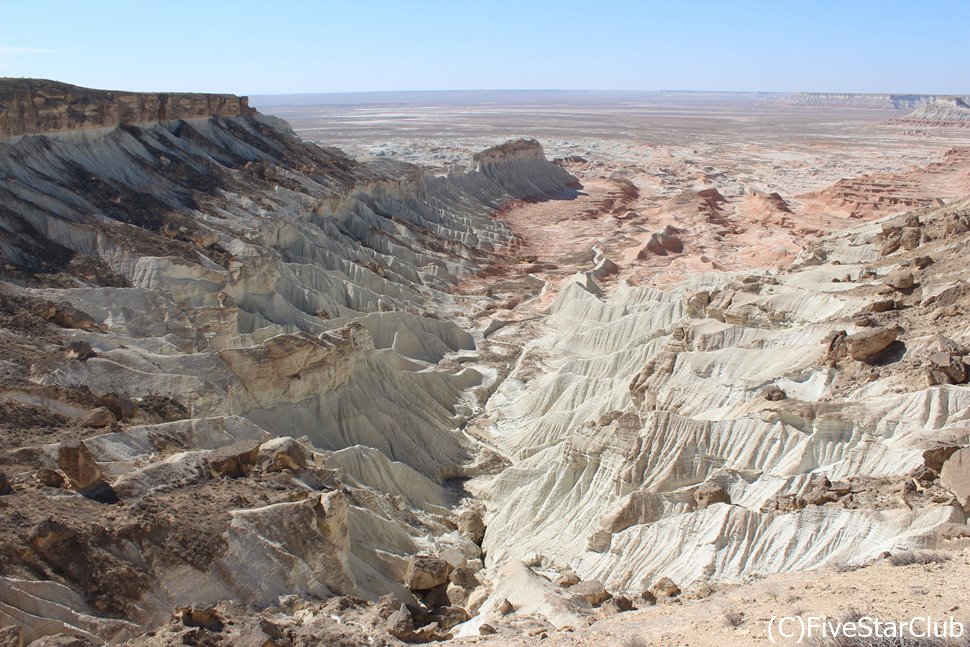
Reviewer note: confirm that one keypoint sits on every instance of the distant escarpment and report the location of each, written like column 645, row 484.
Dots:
column 32, row 106
column 854, row 100
column 953, row 112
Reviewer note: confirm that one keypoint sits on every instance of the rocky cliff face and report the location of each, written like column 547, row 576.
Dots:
column 32, row 106
column 253, row 391
column 235, row 335
column 853, row 100
column 953, row 112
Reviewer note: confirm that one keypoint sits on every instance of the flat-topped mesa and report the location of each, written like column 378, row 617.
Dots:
column 520, row 167
column 511, row 151
column 859, row 100
column 952, row 112
column 37, row 106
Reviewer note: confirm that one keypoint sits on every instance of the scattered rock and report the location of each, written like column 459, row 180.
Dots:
column 665, row 588
column 504, row 607
column 471, row 524
column 205, row 617
column 867, row 344
column 955, row 476
column 487, row 630
column 617, row 604
column 281, row 454
column 401, row 625
column 935, row 457
column 5, row 486
column 922, row 262
column 773, row 393
column 910, row 237
column 426, row 572
column 901, row 280
column 592, row 591
column 50, row 478
column 450, row 616
column 699, row 591
column 648, row 597
column 234, row 460
column 78, row 464
column 99, row 418
column 567, row 578
column 945, row 365
column 957, row 224
column 81, row 351
column 882, row 305
column 697, row 303
column 710, row 493
column 465, row 578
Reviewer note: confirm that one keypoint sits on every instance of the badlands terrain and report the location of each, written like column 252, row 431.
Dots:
column 488, row 368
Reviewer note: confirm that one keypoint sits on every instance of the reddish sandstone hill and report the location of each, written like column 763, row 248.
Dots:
column 882, row 194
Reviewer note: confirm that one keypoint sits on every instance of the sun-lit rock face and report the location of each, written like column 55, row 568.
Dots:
column 32, row 106
column 807, row 417
column 244, row 330
column 254, row 383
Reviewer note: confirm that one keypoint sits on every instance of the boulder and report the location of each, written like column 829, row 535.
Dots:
column 99, row 418
column 869, row 343
column 234, row 460
column 401, row 625
column 450, row 616
column 426, row 572
column 955, row 476
column 465, row 577
column 648, row 597
column 471, row 524
column 697, row 304
column 935, row 457
column 617, row 604
column 49, row 478
column 5, row 486
column 204, row 617
column 910, row 238
column 567, row 578
column 957, row 224
column 901, row 280
column 773, row 393
column 78, row 465
column 81, row 351
column 504, row 607
column 281, row 454
column 882, row 305
column 890, row 245
column 487, row 630
column 665, row 588
column 653, row 246
column 592, row 591
column 710, row 493
column 670, row 243
column 260, row 632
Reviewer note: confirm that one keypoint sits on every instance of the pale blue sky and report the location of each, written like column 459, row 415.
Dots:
column 287, row 46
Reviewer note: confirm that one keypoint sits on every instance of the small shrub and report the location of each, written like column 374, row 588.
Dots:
column 909, row 557
column 635, row 641
column 733, row 618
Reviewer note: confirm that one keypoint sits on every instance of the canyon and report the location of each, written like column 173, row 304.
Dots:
column 559, row 368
